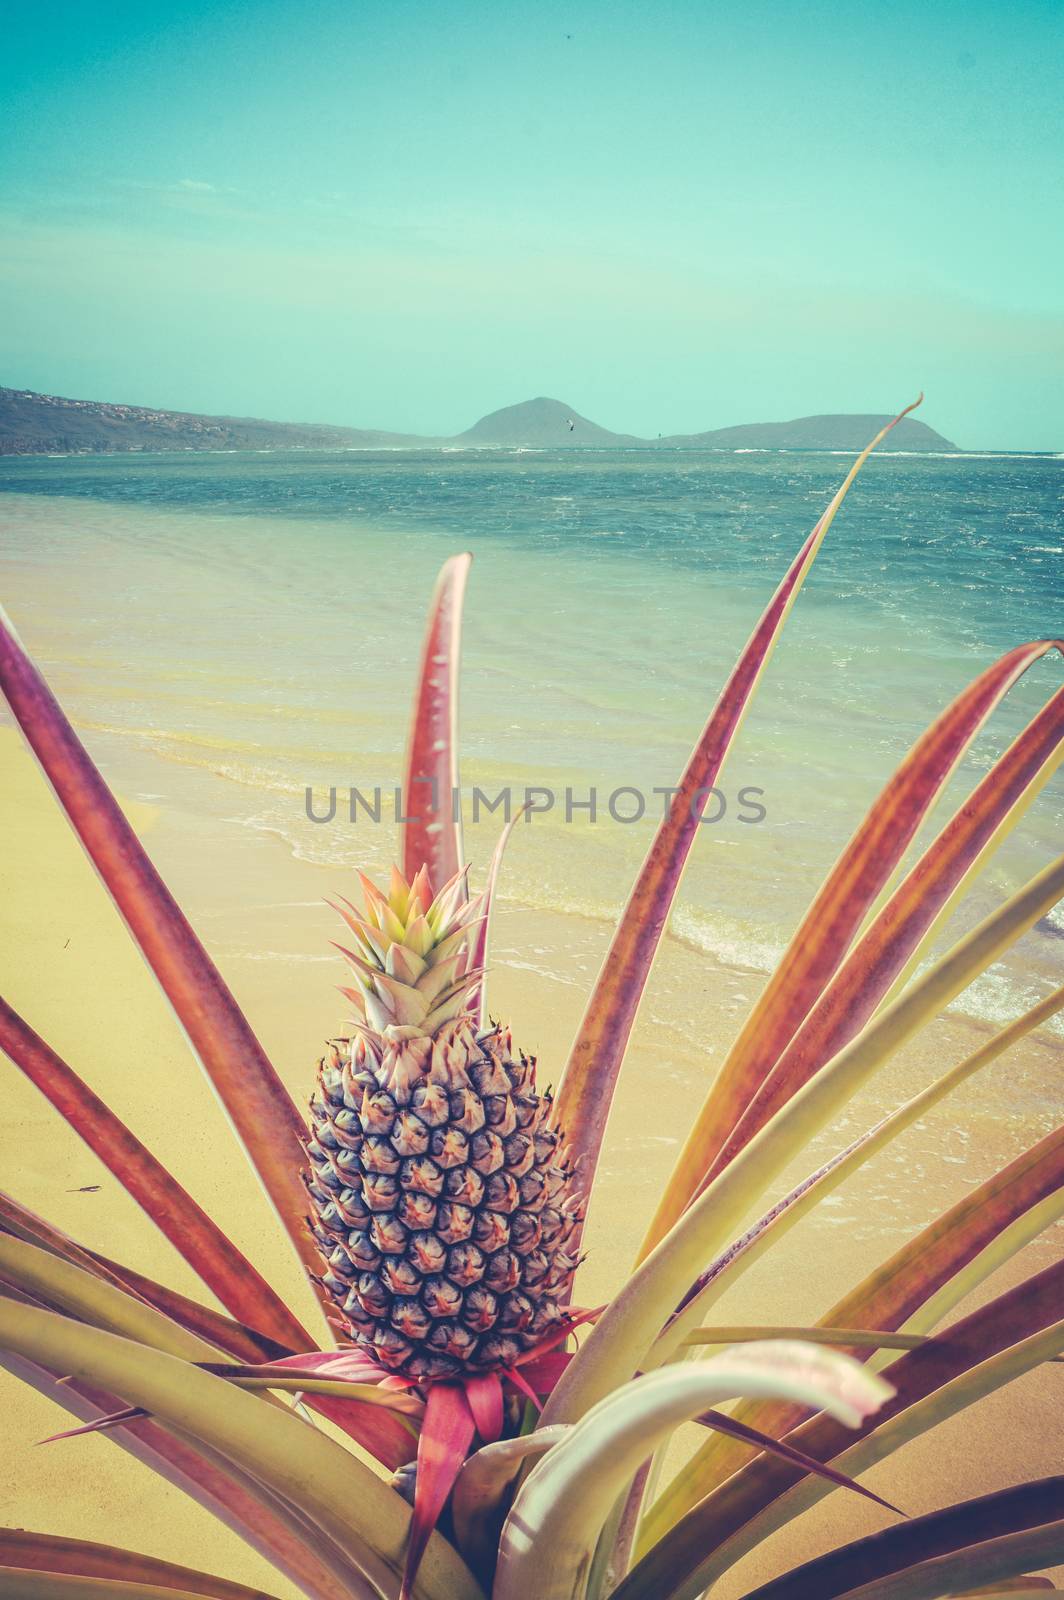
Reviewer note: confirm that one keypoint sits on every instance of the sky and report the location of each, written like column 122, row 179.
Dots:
column 672, row 216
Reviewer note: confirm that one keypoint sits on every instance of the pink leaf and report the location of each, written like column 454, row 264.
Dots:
column 816, row 1001
column 222, row 1267
column 479, row 953
column 305, row 1556
column 544, row 1373
column 386, row 1438
column 260, row 1106
column 484, row 1395
column 430, row 835
column 446, row 1434
column 586, row 1093
column 115, row 1419
column 519, row 1381
column 721, row 1422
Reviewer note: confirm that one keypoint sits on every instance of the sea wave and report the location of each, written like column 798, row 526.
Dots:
column 999, row 996
column 740, row 947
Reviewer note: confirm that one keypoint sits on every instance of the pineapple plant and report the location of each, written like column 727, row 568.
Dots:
column 443, row 1202
column 436, row 1200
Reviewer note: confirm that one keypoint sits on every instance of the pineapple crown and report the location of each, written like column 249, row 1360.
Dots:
column 414, row 956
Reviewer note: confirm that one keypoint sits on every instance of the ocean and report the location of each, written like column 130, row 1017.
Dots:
column 228, row 630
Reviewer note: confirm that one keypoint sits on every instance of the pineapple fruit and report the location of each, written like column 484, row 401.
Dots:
column 443, row 1204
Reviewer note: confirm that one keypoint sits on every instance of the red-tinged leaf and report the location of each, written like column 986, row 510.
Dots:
column 446, row 1435
column 521, row 1383
column 235, row 1338
column 705, row 1529
column 631, row 1324
column 484, row 1394
column 253, row 1513
column 721, row 1422
column 430, row 834
column 545, row 1360
column 114, row 1419
column 383, row 1421
column 303, row 1466
column 260, row 1107
column 222, row 1267
column 939, row 1533
column 898, row 1288
column 881, row 954
column 1021, row 1586
column 228, row 1335
column 21, row 1223
column 44, row 1552
column 826, row 931
column 311, row 1385
column 354, row 1365
column 586, row 1093
column 8, row 1291
column 385, row 1436
column 756, row 1236
column 544, row 1372
column 809, row 1193
column 891, row 1294
column 347, row 1365
column 479, row 953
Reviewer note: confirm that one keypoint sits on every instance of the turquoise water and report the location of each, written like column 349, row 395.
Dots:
column 229, row 629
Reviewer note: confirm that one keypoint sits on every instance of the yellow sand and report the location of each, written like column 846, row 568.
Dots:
column 72, row 972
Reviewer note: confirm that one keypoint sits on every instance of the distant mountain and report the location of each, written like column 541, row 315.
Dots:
column 850, row 431
column 548, row 423
column 45, row 424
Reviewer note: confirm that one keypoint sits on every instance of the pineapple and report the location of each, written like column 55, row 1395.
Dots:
column 443, row 1203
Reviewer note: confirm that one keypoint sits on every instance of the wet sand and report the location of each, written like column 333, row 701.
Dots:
column 72, row 972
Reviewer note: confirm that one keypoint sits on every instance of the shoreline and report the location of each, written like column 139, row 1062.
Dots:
column 748, row 952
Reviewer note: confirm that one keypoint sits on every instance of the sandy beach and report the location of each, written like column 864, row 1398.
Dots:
column 72, row 972
column 694, row 369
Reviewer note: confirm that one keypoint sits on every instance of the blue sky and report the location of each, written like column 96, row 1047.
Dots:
column 672, row 216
